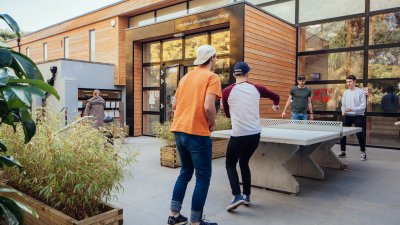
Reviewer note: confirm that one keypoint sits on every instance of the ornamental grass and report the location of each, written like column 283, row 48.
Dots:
column 74, row 171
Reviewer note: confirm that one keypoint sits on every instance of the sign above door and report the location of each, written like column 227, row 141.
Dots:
column 202, row 20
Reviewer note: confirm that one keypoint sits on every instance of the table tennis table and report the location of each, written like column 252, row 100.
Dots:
column 291, row 148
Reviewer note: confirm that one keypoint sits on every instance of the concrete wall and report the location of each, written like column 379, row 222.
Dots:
column 72, row 75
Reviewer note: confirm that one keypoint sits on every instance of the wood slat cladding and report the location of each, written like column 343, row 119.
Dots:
column 137, row 88
column 270, row 50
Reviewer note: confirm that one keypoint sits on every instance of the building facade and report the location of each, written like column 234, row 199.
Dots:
column 152, row 45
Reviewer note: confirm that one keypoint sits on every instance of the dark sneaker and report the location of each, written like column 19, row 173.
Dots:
column 246, row 199
column 236, row 202
column 180, row 220
column 342, row 155
column 207, row 222
column 363, row 156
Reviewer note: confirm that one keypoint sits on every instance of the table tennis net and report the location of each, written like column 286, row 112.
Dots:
column 315, row 125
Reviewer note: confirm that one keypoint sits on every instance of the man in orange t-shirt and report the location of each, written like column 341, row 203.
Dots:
column 193, row 121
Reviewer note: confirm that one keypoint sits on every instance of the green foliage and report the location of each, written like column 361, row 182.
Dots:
column 19, row 80
column 73, row 170
column 162, row 130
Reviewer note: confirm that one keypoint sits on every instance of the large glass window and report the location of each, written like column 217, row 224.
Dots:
column 151, row 100
column 384, row 4
column 172, row 49
column 171, row 12
column 382, row 132
column 221, row 41
column 310, row 10
column 257, row 2
column 151, row 76
column 148, row 119
column 142, row 20
column 196, row 6
column 384, row 63
column 151, row 52
column 222, row 69
column 284, row 10
column 327, row 97
column 340, row 34
column 192, row 43
column 384, row 97
column 385, row 29
column 332, row 66
column 92, row 42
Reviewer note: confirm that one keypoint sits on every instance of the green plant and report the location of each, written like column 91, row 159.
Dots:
column 74, row 170
column 162, row 131
column 19, row 80
column 222, row 122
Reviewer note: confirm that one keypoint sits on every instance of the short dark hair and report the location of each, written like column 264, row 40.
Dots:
column 351, row 77
column 208, row 61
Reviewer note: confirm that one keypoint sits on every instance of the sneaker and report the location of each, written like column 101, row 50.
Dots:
column 363, row 156
column 180, row 220
column 246, row 200
column 207, row 222
column 342, row 155
column 236, row 202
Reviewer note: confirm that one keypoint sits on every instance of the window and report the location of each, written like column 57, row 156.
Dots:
column 284, row 10
column 333, row 66
column 148, row 119
column 340, row 34
column 256, row 2
column 66, row 47
column 381, row 131
column 92, row 42
column 383, row 96
column 384, row 4
column 142, row 20
column 171, row 12
column 385, row 29
column 384, row 63
column 28, row 52
column 151, row 52
column 172, row 49
column 310, row 10
column 196, row 6
column 221, row 41
column 151, row 76
column 45, row 52
column 327, row 97
column 192, row 43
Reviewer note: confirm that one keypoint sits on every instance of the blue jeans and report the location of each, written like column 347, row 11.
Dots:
column 195, row 155
column 299, row 116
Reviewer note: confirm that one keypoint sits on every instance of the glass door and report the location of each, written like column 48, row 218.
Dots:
column 169, row 83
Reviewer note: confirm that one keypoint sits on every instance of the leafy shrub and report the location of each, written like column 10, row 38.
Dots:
column 73, row 170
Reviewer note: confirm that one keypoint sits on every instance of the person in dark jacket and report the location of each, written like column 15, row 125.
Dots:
column 95, row 108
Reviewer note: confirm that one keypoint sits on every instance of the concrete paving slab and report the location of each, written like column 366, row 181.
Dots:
column 367, row 193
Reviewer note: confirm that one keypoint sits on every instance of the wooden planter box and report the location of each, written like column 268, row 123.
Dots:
column 170, row 157
column 51, row 216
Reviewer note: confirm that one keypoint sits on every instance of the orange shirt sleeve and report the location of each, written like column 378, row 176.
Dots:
column 214, row 86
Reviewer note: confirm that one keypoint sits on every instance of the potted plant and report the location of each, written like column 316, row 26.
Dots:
column 71, row 173
column 168, row 154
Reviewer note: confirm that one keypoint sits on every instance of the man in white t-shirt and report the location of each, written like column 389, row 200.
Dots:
column 353, row 109
column 241, row 103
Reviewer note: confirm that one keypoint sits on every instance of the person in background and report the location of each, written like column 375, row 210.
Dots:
column 390, row 101
column 241, row 103
column 194, row 119
column 353, row 109
column 300, row 98
column 95, row 107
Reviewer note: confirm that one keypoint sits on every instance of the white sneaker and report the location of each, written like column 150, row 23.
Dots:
column 363, row 156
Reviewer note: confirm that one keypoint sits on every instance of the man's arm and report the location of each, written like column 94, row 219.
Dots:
column 343, row 108
column 209, row 109
column 286, row 106
column 310, row 108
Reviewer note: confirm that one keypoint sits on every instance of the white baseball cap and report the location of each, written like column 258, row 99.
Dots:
column 204, row 53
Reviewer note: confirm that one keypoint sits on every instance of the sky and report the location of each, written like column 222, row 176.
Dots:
column 32, row 15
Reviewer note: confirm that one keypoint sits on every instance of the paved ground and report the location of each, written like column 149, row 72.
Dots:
column 368, row 193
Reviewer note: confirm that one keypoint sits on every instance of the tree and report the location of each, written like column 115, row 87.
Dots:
column 19, row 80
